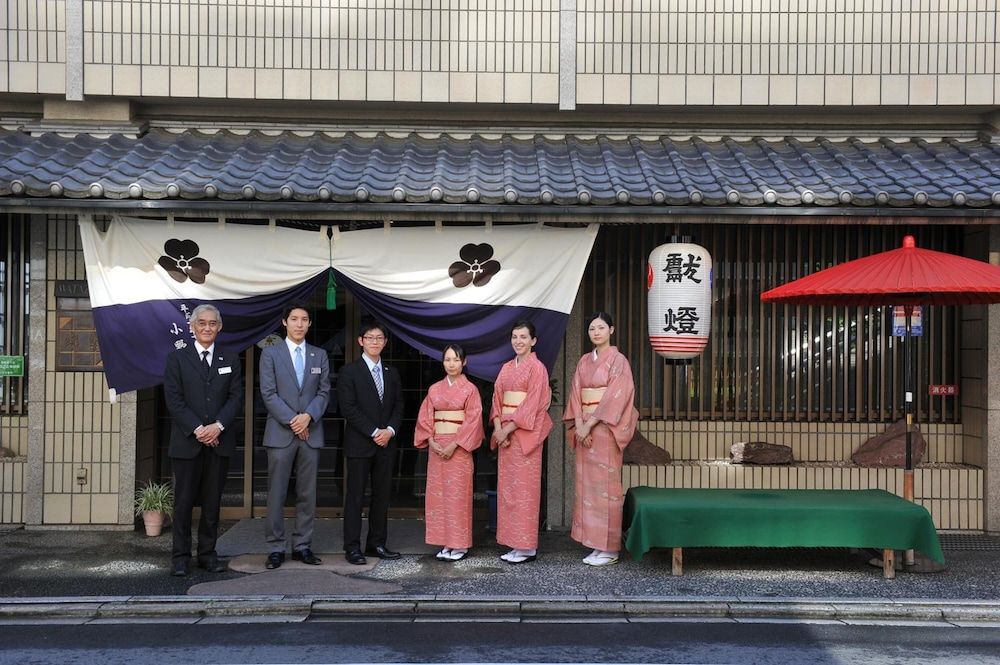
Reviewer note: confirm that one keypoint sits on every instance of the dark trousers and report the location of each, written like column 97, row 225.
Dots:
column 199, row 479
column 378, row 468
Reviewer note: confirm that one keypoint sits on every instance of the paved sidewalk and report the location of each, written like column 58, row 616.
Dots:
column 89, row 575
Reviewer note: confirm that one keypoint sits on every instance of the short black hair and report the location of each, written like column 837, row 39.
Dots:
column 369, row 324
column 524, row 323
column 285, row 313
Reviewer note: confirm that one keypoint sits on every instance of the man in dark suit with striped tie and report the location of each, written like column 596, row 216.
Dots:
column 371, row 401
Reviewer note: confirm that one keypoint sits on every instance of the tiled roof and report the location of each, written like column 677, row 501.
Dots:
column 571, row 170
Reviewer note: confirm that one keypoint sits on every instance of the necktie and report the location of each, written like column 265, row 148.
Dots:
column 377, row 375
column 204, row 360
column 300, row 365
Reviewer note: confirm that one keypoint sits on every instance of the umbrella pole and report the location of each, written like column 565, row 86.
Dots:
column 908, row 408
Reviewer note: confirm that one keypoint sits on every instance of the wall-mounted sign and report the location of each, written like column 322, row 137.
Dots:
column 76, row 339
column 679, row 300
column 946, row 389
column 899, row 322
column 71, row 288
column 11, row 365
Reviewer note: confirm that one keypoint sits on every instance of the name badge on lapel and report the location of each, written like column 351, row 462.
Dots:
column 315, row 370
column 225, row 370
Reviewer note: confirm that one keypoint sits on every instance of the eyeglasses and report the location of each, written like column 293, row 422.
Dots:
column 378, row 339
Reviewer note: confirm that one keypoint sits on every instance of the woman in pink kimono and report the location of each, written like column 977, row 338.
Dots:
column 521, row 421
column 601, row 419
column 450, row 425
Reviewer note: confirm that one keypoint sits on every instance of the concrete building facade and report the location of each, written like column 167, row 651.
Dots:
column 762, row 126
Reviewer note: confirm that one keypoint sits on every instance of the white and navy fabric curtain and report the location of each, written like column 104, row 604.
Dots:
column 428, row 285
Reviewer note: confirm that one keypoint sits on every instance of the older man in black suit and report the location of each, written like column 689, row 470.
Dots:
column 203, row 386
column 371, row 400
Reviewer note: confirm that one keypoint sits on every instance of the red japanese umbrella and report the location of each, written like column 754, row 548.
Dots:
column 906, row 276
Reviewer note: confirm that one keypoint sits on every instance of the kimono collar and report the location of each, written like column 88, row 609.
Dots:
column 596, row 355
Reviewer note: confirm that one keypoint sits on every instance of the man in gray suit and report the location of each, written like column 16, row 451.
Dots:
column 295, row 386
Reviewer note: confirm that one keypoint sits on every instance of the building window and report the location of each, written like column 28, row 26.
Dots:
column 14, row 239
column 76, row 336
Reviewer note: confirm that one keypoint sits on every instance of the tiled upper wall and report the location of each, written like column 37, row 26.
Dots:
column 835, row 37
column 787, row 52
column 376, row 50
column 33, row 46
column 512, row 36
column 666, row 52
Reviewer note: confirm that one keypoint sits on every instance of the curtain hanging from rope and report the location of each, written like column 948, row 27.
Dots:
column 430, row 286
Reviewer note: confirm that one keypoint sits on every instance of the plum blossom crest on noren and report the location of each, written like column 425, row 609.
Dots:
column 181, row 261
column 476, row 266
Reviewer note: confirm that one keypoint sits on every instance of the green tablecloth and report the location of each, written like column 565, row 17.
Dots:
column 656, row 517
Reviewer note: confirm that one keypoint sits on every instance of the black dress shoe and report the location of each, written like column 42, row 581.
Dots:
column 180, row 569
column 306, row 556
column 274, row 560
column 213, row 565
column 382, row 552
column 355, row 557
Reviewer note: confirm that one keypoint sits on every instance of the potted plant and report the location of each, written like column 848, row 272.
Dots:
column 154, row 501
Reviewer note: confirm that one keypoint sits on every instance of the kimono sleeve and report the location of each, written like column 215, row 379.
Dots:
column 620, row 393
column 616, row 409
column 574, row 406
column 497, row 403
column 470, row 434
column 535, row 401
column 425, row 422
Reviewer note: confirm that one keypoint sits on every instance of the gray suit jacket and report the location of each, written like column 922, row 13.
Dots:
column 284, row 399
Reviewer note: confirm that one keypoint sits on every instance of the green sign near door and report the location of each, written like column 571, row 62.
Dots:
column 11, row 365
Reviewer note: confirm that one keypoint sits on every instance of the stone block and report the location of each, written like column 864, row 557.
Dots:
column 641, row 450
column 895, row 90
column 155, row 81
column 545, row 88
column 462, row 87
column 761, row 452
column 434, row 86
column 240, row 83
column 888, row 449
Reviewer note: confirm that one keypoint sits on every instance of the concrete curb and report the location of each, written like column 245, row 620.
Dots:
column 251, row 609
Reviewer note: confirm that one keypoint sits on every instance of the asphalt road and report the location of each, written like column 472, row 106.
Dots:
column 380, row 642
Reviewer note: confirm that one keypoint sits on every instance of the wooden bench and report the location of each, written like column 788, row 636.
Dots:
column 679, row 518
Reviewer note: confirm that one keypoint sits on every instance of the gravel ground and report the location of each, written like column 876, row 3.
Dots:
column 118, row 563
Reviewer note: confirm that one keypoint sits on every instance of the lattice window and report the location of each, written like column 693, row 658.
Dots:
column 14, row 309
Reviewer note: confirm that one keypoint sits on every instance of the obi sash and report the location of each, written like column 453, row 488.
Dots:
column 511, row 400
column 448, row 422
column 591, row 397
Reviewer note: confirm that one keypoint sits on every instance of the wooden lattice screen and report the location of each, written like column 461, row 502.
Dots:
column 776, row 363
